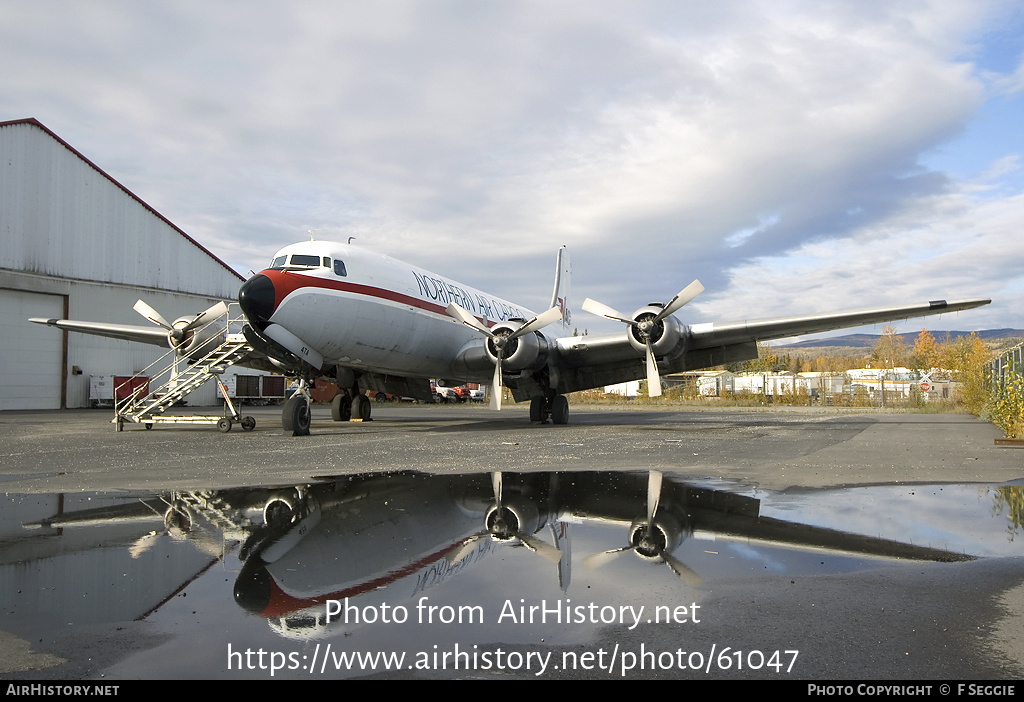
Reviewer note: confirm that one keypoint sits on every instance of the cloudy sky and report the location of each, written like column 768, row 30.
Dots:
column 793, row 156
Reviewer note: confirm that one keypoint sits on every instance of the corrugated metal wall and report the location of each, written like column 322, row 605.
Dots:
column 68, row 230
column 61, row 216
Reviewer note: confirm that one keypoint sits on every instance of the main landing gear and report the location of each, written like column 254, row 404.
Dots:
column 347, row 406
column 551, row 407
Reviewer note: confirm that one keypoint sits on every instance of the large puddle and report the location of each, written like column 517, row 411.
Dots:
column 450, row 574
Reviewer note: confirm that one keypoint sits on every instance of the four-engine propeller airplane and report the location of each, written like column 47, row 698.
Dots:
column 371, row 322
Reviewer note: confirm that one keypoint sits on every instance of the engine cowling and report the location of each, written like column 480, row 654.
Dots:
column 664, row 334
column 527, row 351
column 196, row 343
column 515, row 516
column 651, row 541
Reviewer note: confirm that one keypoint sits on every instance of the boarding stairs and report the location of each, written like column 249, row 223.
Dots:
column 148, row 408
column 231, row 522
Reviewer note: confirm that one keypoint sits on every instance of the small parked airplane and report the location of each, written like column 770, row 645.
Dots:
column 371, row 322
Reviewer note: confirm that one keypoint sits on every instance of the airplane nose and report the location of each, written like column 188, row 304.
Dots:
column 254, row 587
column 257, row 299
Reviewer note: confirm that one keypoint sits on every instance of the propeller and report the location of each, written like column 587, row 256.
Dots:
column 646, row 325
column 502, row 339
column 503, row 528
column 175, row 333
column 648, row 540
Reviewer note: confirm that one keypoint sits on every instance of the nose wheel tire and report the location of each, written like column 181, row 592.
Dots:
column 296, row 417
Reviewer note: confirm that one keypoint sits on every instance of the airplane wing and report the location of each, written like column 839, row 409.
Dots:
column 592, row 361
column 711, row 335
column 126, row 332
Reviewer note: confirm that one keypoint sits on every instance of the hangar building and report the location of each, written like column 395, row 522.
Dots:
column 77, row 244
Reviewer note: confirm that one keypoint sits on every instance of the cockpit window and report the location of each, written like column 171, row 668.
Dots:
column 301, row 261
column 339, row 267
column 304, row 260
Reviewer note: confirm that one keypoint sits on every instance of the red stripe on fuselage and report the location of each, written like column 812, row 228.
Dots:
column 287, row 282
column 282, row 603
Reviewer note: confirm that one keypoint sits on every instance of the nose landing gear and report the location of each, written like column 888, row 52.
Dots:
column 296, row 416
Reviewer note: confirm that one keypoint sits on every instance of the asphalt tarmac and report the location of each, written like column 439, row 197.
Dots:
column 924, row 621
column 799, row 447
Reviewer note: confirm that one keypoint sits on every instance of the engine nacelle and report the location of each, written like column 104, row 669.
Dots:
column 178, row 519
column 283, row 508
column 527, row 351
column 649, row 542
column 517, row 515
column 196, row 343
column 665, row 335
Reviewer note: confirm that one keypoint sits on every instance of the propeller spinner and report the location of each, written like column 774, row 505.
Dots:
column 646, row 327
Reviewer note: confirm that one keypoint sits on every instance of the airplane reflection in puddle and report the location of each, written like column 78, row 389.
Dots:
column 397, row 536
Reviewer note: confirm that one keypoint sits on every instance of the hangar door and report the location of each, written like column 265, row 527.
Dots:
column 31, row 355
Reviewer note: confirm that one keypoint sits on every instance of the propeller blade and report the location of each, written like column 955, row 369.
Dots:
column 496, row 386
column 468, row 319
column 542, row 320
column 685, row 295
column 686, row 574
column 653, row 494
column 653, row 376
column 601, row 310
column 496, row 486
column 467, row 547
column 541, row 548
column 143, row 544
column 603, row 558
column 207, row 315
column 151, row 314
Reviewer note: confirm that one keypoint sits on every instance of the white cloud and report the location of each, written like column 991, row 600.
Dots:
column 661, row 141
column 973, row 250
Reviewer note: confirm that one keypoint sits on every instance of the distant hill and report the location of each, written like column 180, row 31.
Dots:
column 869, row 341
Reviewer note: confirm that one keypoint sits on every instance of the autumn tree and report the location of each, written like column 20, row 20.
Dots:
column 890, row 351
column 926, row 351
column 966, row 358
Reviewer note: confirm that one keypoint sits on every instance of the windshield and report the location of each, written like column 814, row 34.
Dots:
column 301, row 261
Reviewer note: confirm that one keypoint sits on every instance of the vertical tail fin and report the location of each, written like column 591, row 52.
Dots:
column 560, row 294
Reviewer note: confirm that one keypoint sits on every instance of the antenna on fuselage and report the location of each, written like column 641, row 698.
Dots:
column 350, row 239
column 311, row 233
